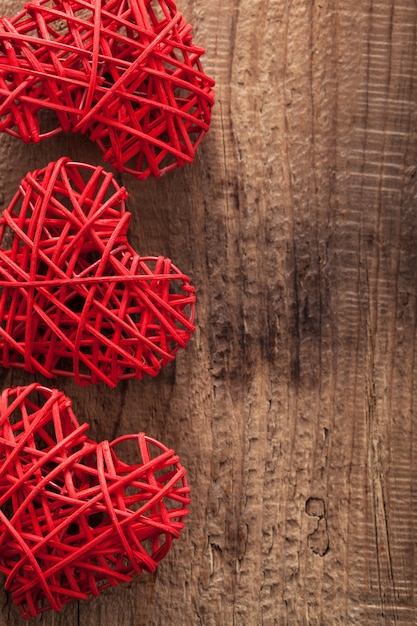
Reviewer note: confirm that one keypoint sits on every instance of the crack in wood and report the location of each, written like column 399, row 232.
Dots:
column 318, row 540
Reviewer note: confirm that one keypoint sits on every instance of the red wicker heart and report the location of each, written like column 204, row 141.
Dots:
column 76, row 300
column 74, row 517
column 124, row 72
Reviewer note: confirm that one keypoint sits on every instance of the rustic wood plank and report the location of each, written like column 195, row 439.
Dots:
column 294, row 406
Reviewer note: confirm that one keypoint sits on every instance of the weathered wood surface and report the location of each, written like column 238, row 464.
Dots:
column 294, row 406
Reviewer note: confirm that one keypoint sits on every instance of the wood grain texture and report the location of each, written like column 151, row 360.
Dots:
column 294, row 406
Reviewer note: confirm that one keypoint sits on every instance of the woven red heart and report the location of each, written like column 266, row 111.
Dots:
column 76, row 300
column 74, row 517
column 124, row 72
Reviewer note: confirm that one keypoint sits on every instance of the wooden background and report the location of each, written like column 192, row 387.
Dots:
column 293, row 407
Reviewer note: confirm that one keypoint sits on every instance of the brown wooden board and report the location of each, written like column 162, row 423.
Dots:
column 294, row 406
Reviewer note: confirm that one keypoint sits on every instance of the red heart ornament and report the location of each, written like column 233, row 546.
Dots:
column 74, row 517
column 76, row 300
column 124, row 72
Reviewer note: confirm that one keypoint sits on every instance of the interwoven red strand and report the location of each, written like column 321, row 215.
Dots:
column 76, row 300
column 124, row 72
column 74, row 517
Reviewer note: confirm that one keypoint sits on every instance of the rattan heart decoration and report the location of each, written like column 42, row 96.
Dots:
column 76, row 299
column 124, row 72
column 74, row 517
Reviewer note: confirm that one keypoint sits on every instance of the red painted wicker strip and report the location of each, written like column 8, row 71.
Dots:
column 74, row 517
column 124, row 72
column 76, row 300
